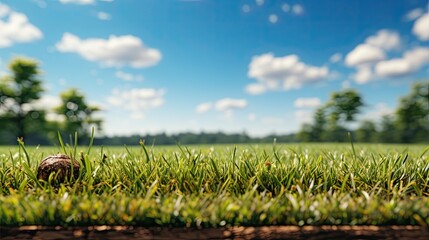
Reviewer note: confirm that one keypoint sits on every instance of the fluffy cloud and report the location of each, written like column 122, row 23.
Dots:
column 373, row 50
column 421, row 27
column 4, row 10
column 80, row 2
column 15, row 28
column 307, row 102
column 364, row 74
column 203, row 107
column 377, row 111
column 103, row 16
column 336, row 58
column 128, row 76
column 385, row 39
column 46, row 103
column 303, row 116
column 414, row 14
column 284, row 72
column 114, row 51
column 364, row 54
column 225, row 105
column 137, row 100
column 228, row 104
column 412, row 61
column 256, row 88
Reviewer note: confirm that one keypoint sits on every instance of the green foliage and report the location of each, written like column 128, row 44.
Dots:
column 410, row 122
column 413, row 114
column 366, row 132
column 17, row 92
column 78, row 114
column 345, row 105
column 222, row 185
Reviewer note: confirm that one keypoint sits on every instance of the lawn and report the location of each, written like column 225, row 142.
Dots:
column 221, row 185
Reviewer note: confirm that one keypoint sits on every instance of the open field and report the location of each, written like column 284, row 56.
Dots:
column 221, row 186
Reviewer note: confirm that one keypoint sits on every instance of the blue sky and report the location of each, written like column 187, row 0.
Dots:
column 219, row 65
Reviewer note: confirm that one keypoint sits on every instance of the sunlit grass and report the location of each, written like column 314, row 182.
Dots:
column 219, row 185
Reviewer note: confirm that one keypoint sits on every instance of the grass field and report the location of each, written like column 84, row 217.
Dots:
column 221, row 185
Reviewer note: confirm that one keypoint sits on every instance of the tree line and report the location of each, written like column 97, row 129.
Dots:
column 409, row 123
column 21, row 115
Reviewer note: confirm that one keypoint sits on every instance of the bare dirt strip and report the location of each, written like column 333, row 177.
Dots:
column 269, row 232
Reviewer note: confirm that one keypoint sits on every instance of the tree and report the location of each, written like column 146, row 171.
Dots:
column 78, row 113
column 17, row 93
column 342, row 108
column 345, row 105
column 367, row 132
column 388, row 130
column 413, row 114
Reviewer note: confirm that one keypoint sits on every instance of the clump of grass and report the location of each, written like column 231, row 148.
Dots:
column 209, row 186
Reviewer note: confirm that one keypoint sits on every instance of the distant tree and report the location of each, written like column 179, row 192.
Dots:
column 388, row 131
column 366, row 132
column 345, row 105
column 18, row 91
column 305, row 134
column 412, row 114
column 314, row 132
column 319, row 125
column 78, row 113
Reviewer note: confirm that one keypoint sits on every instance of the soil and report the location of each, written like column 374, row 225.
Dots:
column 269, row 232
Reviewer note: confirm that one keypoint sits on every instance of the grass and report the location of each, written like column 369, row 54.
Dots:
column 221, row 185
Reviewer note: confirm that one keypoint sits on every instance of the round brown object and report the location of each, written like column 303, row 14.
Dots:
column 60, row 165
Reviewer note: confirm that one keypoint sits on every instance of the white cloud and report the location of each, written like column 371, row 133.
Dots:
column 370, row 61
column 303, row 116
column 137, row 100
column 229, row 104
column 412, row 61
column 80, row 2
column 284, row 72
column 4, row 10
column 414, row 14
column 104, row 16
column 421, row 27
column 128, row 76
column 46, row 103
column 377, row 112
column 16, row 28
column 114, row 51
column 336, row 58
column 256, row 88
column 392, row 68
column 364, row 74
column 297, row 9
column 385, row 39
column 364, row 54
column 307, row 102
column 273, row 18
column 203, row 107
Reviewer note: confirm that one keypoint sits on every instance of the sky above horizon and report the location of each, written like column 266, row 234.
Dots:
column 254, row 66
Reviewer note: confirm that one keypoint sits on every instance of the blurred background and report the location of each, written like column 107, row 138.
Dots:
column 214, row 71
